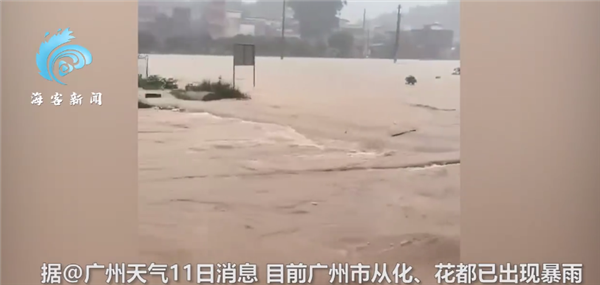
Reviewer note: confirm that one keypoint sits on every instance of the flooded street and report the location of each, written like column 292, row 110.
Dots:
column 307, row 171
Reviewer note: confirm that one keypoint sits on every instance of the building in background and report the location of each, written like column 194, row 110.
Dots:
column 255, row 27
column 360, row 32
column 215, row 18
column 218, row 18
column 247, row 30
column 432, row 41
column 182, row 21
column 146, row 16
column 233, row 25
column 170, row 19
column 292, row 26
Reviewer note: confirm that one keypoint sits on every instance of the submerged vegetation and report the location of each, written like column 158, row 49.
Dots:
column 204, row 91
column 143, row 105
column 217, row 90
column 155, row 82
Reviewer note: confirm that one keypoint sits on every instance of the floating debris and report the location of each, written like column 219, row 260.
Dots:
column 403, row 133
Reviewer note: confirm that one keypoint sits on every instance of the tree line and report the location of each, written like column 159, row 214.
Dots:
column 339, row 44
column 318, row 23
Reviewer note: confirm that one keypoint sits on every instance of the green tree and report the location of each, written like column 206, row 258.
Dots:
column 317, row 18
column 343, row 42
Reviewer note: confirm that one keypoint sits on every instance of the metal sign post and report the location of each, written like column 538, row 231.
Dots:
column 244, row 55
column 146, row 59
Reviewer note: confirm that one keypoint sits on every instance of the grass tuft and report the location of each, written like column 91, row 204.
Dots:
column 217, row 90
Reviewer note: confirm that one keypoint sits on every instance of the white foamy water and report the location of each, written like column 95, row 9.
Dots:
column 269, row 133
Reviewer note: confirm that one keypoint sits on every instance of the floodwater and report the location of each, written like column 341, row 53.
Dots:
column 311, row 169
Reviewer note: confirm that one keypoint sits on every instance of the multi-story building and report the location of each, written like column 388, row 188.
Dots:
column 234, row 23
column 432, row 41
column 215, row 18
column 182, row 21
column 165, row 19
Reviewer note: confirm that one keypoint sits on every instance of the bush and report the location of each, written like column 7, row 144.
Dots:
column 216, row 91
column 155, row 82
column 343, row 42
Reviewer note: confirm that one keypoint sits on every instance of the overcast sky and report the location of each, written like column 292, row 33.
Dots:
column 354, row 10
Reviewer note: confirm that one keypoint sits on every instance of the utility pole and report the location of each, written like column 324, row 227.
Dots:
column 397, row 35
column 368, row 41
column 365, row 45
column 283, row 29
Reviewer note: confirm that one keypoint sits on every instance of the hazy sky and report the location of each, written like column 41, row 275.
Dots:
column 354, row 10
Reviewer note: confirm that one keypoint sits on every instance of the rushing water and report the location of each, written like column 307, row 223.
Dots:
column 354, row 99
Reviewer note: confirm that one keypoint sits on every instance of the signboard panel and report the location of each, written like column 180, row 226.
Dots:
column 244, row 55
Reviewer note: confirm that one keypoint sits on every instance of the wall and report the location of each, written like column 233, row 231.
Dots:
column 247, row 29
column 215, row 17
column 233, row 23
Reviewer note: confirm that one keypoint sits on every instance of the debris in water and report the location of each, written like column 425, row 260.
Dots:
column 403, row 133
